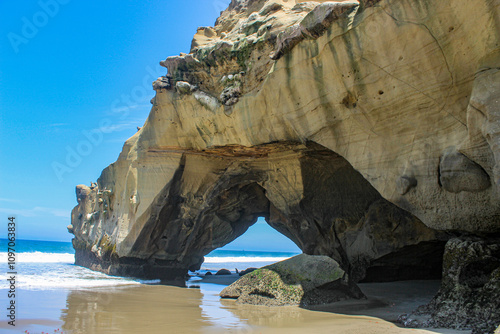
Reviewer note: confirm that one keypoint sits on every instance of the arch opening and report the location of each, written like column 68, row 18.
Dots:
column 306, row 192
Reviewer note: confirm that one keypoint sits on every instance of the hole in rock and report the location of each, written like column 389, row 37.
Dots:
column 260, row 245
column 310, row 197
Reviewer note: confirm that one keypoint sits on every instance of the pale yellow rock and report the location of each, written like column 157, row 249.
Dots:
column 389, row 87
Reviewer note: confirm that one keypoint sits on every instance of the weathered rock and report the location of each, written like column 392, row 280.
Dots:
column 223, row 272
column 82, row 193
column 313, row 25
column 203, row 36
column 183, row 87
column 206, row 100
column 161, row 83
column 230, row 95
column 215, row 195
column 208, row 273
column 270, row 7
column 458, row 173
column 246, row 271
column 405, row 183
column 301, row 280
column 287, row 40
column 341, row 143
column 469, row 297
column 317, row 22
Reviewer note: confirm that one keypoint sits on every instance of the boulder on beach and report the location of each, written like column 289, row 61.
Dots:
column 246, row 271
column 301, row 280
column 223, row 272
column 208, row 273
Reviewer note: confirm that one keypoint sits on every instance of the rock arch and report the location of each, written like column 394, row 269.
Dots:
column 305, row 191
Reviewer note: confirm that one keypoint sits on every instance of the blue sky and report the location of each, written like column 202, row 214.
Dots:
column 75, row 82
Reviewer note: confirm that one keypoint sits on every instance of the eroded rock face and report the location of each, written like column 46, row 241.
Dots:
column 470, row 290
column 301, row 280
column 356, row 130
column 308, row 193
column 458, row 173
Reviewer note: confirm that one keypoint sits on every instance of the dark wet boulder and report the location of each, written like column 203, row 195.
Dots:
column 223, row 272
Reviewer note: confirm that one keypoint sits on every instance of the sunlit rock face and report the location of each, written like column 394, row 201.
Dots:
column 365, row 131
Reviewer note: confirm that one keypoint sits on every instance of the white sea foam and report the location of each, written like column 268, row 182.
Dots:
column 243, row 259
column 39, row 257
column 46, row 282
column 41, row 271
column 44, row 271
column 230, row 263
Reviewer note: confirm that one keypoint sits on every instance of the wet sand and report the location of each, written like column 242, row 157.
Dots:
column 198, row 309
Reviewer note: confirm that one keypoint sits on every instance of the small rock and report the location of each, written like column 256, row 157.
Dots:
column 223, row 272
column 161, row 83
column 82, row 192
column 183, row 87
column 208, row 273
column 247, row 271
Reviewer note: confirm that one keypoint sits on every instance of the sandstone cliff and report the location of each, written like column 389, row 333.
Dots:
column 365, row 131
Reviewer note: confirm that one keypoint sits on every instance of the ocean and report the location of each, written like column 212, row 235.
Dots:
column 52, row 295
column 50, row 265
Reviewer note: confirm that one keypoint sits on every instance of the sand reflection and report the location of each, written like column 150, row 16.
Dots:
column 138, row 309
column 198, row 309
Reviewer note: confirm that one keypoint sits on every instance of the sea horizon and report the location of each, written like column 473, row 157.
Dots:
column 219, row 251
column 43, row 264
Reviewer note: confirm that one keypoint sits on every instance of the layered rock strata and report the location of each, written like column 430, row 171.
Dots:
column 364, row 131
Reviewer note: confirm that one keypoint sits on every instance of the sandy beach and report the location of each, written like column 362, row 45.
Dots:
column 198, row 309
